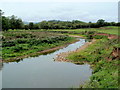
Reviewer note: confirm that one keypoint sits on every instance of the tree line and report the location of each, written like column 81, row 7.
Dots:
column 13, row 22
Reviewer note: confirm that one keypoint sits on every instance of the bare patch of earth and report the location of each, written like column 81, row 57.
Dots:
column 62, row 56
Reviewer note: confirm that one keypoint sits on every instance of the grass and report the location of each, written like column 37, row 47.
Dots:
column 98, row 55
column 108, row 30
column 21, row 43
column 105, row 72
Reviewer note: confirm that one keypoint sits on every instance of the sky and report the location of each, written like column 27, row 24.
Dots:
column 65, row 10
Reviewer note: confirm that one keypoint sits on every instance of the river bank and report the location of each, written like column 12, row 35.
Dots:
column 97, row 53
column 43, row 72
column 18, row 45
column 17, row 59
column 102, row 55
column 63, row 56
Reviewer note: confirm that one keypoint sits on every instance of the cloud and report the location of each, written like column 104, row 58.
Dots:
column 62, row 11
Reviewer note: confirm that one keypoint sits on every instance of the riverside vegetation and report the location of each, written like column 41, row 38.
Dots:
column 104, row 65
column 19, row 40
column 17, row 44
column 103, row 55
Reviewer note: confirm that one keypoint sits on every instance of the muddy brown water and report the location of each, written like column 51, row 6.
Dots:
column 44, row 72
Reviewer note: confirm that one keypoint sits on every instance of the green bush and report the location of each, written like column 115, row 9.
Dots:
column 20, row 43
column 99, row 36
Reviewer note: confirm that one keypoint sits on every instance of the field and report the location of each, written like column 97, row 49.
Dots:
column 18, row 44
column 59, row 44
column 108, row 30
column 101, row 55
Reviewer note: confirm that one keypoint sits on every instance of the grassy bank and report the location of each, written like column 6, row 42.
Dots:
column 103, row 62
column 101, row 55
column 20, row 43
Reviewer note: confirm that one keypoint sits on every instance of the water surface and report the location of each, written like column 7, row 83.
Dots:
column 44, row 72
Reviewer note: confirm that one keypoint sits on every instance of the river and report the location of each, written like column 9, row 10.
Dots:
column 44, row 72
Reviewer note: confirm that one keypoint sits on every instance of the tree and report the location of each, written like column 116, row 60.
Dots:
column 31, row 25
column 36, row 26
column 19, row 24
column 113, row 24
column 16, row 23
column 118, row 24
column 26, row 27
column 5, row 23
column 43, row 25
column 100, row 22
column 13, row 22
column 107, row 24
column 1, row 13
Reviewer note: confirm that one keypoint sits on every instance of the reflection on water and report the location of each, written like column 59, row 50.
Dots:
column 44, row 72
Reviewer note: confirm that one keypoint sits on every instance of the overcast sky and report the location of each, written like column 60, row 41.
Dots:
column 38, row 10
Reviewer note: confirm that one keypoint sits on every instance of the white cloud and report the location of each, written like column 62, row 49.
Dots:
column 59, row 0
column 62, row 11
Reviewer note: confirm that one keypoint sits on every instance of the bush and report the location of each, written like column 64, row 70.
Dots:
column 99, row 36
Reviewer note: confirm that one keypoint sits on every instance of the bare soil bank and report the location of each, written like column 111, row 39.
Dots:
column 62, row 56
